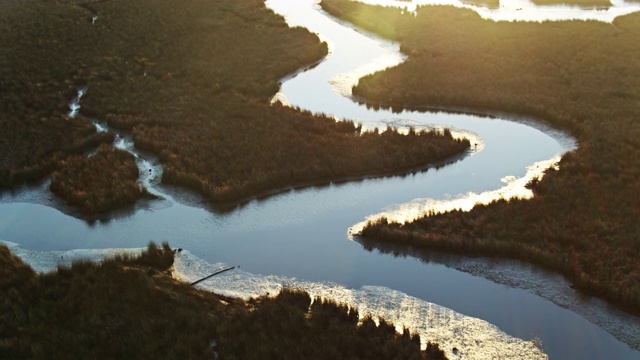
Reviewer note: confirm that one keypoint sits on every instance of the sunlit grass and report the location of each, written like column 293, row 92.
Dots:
column 582, row 3
column 130, row 307
column 574, row 75
column 193, row 82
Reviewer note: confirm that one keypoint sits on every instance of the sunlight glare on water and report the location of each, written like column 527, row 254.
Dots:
column 299, row 235
column 515, row 188
column 344, row 82
column 433, row 322
column 524, row 10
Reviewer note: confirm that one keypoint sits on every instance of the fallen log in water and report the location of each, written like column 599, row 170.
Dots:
column 212, row 275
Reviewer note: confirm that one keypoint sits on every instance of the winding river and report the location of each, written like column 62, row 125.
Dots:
column 482, row 308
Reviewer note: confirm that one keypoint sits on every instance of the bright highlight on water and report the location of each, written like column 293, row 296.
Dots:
column 525, row 10
column 199, row 229
column 432, row 322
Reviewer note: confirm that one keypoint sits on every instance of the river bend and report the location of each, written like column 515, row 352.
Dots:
column 481, row 307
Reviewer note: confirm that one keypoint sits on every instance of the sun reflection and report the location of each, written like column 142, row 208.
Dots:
column 462, row 337
column 525, row 10
column 281, row 98
column 471, row 338
column 515, row 188
column 342, row 83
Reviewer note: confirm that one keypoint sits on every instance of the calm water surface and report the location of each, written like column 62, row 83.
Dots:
column 302, row 234
column 525, row 10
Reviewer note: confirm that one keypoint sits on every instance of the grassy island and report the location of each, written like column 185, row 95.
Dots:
column 192, row 80
column 292, row 150
column 104, row 181
column 130, row 307
column 576, row 75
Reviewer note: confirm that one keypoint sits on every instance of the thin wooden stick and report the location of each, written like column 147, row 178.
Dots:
column 214, row 274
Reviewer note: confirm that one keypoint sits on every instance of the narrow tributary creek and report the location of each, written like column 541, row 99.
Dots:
column 481, row 308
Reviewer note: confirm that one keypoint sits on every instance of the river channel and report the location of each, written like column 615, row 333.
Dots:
column 303, row 237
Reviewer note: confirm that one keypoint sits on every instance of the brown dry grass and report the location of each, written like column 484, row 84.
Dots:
column 129, row 307
column 576, row 75
column 192, row 79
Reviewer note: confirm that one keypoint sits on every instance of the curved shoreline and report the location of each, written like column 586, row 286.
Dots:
column 235, row 237
column 604, row 279
column 562, row 136
column 542, row 263
column 402, row 309
column 533, row 278
column 354, row 177
column 186, row 195
column 568, row 142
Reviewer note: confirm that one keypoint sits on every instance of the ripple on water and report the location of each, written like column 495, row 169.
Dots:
column 525, row 10
column 515, row 188
column 471, row 337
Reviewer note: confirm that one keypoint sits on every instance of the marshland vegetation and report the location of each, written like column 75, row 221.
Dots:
column 582, row 3
column 131, row 307
column 105, row 181
column 575, row 75
column 291, row 150
column 487, row 3
column 192, row 80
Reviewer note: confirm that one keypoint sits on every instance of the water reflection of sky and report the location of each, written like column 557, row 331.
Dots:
column 435, row 323
column 508, row 145
column 514, row 188
column 524, row 10
column 301, row 234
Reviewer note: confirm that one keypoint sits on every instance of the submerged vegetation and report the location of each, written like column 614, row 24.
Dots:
column 192, row 80
column 576, row 75
column 130, row 307
column 104, row 181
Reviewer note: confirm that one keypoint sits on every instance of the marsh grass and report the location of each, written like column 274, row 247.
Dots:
column 581, row 3
column 487, row 3
column 130, row 307
column 192, row 79
column 576, row 75
column 105, row 181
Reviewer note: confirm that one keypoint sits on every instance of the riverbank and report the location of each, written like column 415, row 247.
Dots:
column 488, row 3
column 316, row 160
column 106, row 181
column 351, row 177
column 129, row 306
column 581, row 3
column 582, row 221
column 183, row 82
